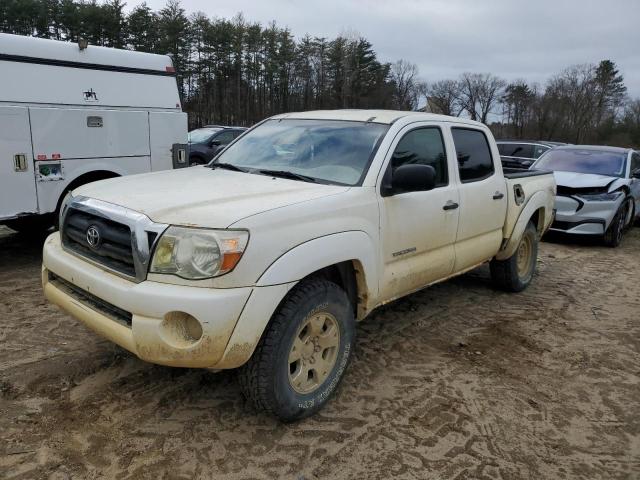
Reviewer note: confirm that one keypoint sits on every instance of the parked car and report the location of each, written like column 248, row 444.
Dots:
column 598, row 190
column 302, row 226
column 206, row 142
column 522, row 153
column 71, row 114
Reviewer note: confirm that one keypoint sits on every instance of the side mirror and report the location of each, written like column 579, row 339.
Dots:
column 636, row 173
column 411, row 178
column 214, row 143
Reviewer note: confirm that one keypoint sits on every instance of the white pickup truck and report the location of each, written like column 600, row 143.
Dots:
column 267, row 257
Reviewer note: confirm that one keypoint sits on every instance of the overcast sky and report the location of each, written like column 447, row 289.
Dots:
column 509, row 38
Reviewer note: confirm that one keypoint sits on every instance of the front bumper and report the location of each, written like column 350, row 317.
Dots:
column 145, row 318
column 576, row 215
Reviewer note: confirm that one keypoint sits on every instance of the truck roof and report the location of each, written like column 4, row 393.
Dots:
column 14, row 47
column 377, row 116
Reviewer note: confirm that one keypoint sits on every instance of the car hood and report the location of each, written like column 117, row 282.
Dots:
column 200, row 196
column 582, row 180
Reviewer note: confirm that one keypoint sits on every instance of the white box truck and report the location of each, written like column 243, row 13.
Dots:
column 71, row 114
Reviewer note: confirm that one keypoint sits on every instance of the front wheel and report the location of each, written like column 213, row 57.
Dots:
column 303, row 353
column 622, row 219
column 516, row 272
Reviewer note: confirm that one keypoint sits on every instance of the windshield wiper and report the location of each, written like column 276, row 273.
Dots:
column 288, row 174
column 227, row 166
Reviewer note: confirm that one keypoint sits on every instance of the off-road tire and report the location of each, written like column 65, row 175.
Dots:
column 613, row 236
column 505, row 273
column 265, row 377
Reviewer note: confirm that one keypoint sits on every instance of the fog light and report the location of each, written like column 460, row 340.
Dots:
column 180, row 329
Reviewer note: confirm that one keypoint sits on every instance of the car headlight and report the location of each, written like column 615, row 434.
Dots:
column 600, row 197
column 196, row 253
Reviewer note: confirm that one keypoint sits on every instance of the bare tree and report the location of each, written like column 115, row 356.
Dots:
column 444, row 97
column 404, row 75
column 480, row 93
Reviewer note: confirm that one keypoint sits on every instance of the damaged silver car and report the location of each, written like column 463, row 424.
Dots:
column 598, row 190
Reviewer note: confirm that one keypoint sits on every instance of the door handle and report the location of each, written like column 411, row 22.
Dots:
column 450, row 205
column 498, row 196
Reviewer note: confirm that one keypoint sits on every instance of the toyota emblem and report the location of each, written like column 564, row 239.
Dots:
column 93, row 236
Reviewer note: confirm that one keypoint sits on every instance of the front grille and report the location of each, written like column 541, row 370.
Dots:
column 117, row 314
column 561, row 225
column 557, row 224
column 113, row 248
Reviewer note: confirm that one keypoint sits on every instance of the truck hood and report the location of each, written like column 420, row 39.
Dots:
column 582, row 180
column 200, row 196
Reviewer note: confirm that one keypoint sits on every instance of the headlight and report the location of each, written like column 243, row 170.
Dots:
column 196, row 253
column 600, row 197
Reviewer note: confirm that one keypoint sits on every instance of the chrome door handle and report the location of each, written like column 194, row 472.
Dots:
column 450, row 205
column 498, row 196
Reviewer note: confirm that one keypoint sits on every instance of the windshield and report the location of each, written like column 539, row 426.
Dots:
column 202, row 135
column 326, row 150
column 599, row 162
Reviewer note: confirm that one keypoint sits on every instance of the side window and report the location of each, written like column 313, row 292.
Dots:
column 225, row 137
column 521, row 150
column 237, row 133
column 423, row 146
column 473, row 153
column 635, row 162
column 539, row 150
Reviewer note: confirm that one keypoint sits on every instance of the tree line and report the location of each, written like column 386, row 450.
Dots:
column 235, row 71
column 582, row 104
column 229, row 71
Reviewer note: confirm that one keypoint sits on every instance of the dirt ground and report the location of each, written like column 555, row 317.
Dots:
column 457, row 381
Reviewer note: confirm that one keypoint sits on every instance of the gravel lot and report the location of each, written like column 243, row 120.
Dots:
column 457, row 381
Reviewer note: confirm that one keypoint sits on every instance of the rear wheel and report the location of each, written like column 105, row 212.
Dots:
column 516, row 272
column 303, row 352
column 622, row 219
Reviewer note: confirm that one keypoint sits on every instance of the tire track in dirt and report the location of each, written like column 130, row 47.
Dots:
column 456, row 381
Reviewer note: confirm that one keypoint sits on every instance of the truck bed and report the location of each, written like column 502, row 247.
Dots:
column 528, row 183
column 521, row 173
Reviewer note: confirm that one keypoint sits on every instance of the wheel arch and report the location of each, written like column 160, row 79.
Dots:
column 536, row 210
column 347, row 258
column 83, row 179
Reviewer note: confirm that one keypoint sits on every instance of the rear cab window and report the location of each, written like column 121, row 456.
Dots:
column 473, row 153
column 519, row 150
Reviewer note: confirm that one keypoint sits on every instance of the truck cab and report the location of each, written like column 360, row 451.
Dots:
column 71, row 114
column 297, row 230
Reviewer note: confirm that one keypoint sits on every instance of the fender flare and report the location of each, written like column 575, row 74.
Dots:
column 283, row 274
column 535, row 203
column 322, row 252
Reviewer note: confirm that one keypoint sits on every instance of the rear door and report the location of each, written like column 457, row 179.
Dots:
column 483, row 199
column 168, row 139
column 17, row 180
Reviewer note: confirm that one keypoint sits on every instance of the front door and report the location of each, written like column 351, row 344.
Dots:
column 17, row 180
column 483, row 198
column 419, row 228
